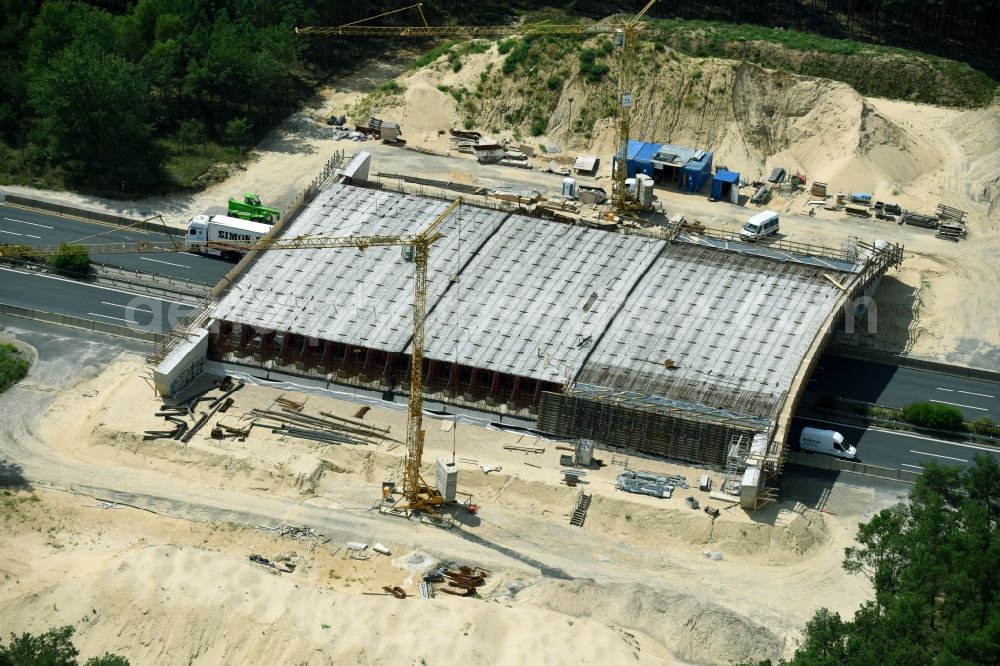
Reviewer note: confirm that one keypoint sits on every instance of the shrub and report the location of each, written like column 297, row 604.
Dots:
column 984, row 425
column 70, row 259
column 434, row 54
column 504, row 47
column 391, row 88
column 13, row 367
column 554, row 82
column 933, row 415
column 538, row 126
column 237, row 132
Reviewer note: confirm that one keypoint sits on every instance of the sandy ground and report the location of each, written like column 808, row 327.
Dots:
column 632, row 585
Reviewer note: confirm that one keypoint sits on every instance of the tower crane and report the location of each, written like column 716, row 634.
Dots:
column 624, row 39
column 417, row 494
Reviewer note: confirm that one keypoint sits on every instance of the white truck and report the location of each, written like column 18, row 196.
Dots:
column 829, row 442
column 209, row 234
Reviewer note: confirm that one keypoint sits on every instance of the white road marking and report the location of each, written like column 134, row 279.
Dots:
column 118, row 305
column 12, row 233
column 34, row 224
column 127, row 321
column 33, row 236
column 981, row 395
column 94, row 286
column 164, row 262
column 956, row 404
column 944, row 389
column 924, row 453
column 913, row 466
column 989, row 449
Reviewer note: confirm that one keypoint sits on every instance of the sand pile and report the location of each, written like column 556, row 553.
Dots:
column 689, row 628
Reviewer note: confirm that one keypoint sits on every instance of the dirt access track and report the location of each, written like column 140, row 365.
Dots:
column 168, row 581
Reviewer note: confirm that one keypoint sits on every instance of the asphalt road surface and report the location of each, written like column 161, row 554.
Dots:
column 897, row 450
column 29, row 227
column 94, row 302
column 896, row 387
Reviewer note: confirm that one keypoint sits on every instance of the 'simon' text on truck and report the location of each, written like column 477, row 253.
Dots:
column 212, row 235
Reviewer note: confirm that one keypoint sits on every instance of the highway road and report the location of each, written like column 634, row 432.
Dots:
column 95, row 302
column 897, row 450
column 896, row 387
column 29, row 227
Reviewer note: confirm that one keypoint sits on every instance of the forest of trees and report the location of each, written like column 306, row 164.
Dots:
column 102, row 94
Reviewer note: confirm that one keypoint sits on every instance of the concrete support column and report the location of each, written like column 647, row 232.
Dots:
column 246, row 334
column 327, row 355
column 286, row 347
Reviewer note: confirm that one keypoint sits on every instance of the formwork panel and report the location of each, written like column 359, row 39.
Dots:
column 361, row 297
column 714, row 328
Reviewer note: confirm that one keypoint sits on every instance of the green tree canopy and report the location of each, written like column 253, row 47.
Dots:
column 53, row 648
column 93, row 113
column 934, row 564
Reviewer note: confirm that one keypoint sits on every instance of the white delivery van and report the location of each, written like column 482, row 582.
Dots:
column 760, row 225
column 829, row 442
column 209, row 235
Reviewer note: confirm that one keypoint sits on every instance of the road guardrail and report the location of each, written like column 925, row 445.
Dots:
column 820, row 461
column 81, row 323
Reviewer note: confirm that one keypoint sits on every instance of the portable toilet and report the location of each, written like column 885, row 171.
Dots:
column 644, row 190
column 569, row 187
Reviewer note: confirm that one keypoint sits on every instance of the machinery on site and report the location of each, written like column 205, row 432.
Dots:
column 416, row 495
column 624, row 37
column 251, row 209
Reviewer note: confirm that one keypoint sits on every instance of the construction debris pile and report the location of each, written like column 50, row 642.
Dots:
column 187, row 422
column 461, row 583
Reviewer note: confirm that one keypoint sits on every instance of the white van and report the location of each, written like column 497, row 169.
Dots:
column 760, row 225
column 829, row 442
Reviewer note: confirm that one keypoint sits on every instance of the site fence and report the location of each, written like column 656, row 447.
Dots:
column 81, row 323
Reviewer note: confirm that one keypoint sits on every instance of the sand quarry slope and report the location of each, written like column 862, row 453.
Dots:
column 753, row 118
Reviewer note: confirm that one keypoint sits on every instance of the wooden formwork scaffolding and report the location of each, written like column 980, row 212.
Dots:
column 687, row 435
